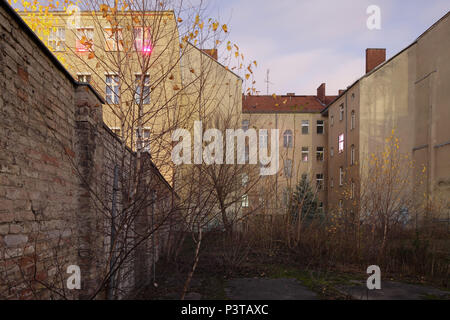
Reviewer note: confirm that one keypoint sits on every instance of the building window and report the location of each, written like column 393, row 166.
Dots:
column 305, row 126
column 353, row 120
column 341, row 176
column 112, row 89
column 319, row 181
column 142, row 40
column 332, row 183
column 143, row 144
column 332, row 120
column 320, row 207
column 84, row 78
column 341, row 143
column 142, row 86
column 305, row 154
column 286, row 197
column 288, row 139
column 247, row 153
column 245, row 179
column 245, row 203
column 57, row 39
column 113, row 39
column 116, row 131
column 288, row 168
column 320, row 127
column 341, row 112
column 332, row 152
column 245, row 125
column 320, row 153
column 85, row 39
column 352, row 190
column 352, row 155
column 263, row 138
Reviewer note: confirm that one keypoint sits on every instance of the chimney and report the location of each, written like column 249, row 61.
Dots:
column 290, row 94
column 374, row 57
column 211, row 52
column 321, row 92
column 341, row 91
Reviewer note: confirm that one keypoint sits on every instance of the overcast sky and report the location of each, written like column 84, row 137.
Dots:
column 307, row 42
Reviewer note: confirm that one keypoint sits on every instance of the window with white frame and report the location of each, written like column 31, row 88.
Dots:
column 319, row 181
column 305, row 154
column 57, row 39
column 341, row 176
column 85, row 39
column 142, row 89
column 288, row 139
column 353, row 120
column 113, row 39
column 352, row 155
column 245, row 179
column 112, row 89
column 245, row 125
column 320, row 127
column 142, row 40
column 263, row 139
column 305, row 126
column 84, row 78
column 245, row 202
column 341, row 112
column 320, row 154
column 341, row 143
column 143, row 140
column 288, row 168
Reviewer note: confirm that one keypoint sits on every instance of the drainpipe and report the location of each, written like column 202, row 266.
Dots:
column 153, row 237
column 113, row 233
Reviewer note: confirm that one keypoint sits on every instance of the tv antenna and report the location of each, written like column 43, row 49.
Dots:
column 267, row 81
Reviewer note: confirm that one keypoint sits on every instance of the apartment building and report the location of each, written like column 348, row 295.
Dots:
column 303, row 145
column 407, row 97
column 152, row 82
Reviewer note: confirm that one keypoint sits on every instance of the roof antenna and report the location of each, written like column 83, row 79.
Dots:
column 267, row 81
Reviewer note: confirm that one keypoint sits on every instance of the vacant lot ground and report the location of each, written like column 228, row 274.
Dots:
column 274, row 277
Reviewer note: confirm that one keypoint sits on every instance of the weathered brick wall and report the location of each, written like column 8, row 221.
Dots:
column 57, row 162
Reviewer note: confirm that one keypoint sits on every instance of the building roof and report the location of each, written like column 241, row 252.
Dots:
column 284, row 104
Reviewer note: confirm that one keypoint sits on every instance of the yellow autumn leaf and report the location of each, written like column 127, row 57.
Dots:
column 225, row 28
column 91, row 55
column 247, row 76
column 180, row 20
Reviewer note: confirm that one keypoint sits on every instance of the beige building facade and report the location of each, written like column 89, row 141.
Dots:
column 302, row 146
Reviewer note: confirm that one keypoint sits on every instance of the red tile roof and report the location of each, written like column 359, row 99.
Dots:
column 284, row 104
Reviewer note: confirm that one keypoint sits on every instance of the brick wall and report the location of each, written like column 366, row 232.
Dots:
column 57, row 162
